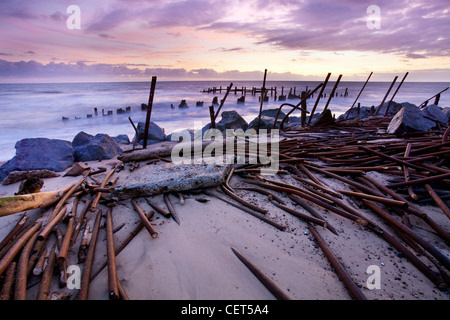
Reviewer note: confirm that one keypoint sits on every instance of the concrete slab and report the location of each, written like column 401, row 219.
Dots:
column 169, row 177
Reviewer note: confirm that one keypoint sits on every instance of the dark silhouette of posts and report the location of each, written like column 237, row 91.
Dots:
column 263, row 91
column 333, row 91
column 393, row 96
column 149, row 111
column 387, row 93
column 303, row 106
column 362, row 89
column 318, row 97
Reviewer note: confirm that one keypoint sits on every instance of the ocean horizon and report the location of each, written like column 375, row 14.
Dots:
column 31, row 110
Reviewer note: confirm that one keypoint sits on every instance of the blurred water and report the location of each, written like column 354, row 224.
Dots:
column 36, row 110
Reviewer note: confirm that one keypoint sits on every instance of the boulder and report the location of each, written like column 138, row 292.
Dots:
column 122, row 139
column 268, row 119
column 39, row 154
column 409, row 119
column 435, row 113
column 324, row 119
column 155, row 133
column 99, row 147
column 447, row 113
column 394, row 107
column 230, row 120
column 364, row 112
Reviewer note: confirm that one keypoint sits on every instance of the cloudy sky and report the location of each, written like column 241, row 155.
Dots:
column 226, row 39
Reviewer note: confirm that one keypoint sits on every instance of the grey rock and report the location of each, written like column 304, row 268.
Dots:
column 39, row 154
column 447, row 113
column 394, row 107
column 435, row 113
column 364, row 112
column 230, row 120
column 155, row 133
column 409, row 119
column 122, row 139
column 324, row 119
column 99, row 147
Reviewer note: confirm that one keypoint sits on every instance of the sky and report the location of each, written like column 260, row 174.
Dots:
column 133, row 40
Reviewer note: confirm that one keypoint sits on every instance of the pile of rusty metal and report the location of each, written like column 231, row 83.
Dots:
column 417, row 165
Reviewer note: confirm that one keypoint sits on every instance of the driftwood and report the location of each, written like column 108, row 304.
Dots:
column 19, row 203
column 17, row 176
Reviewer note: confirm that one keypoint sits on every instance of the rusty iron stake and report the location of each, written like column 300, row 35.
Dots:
column 85, row 277
column 14, row 250
column 66, row 243
column 395, row 93
column 149, row 111
column 245, row 209
column 362, row 89
column 340, row 269
column 301, row 216
column 424, row 244
column 419, row 181
column 263, row 93
column 158, row 209
column 266, row 281
column 144, row 220
column 438, row 200
column 385, row 97
column 172, row 211
column 332, row 92
column 51, row 224
column 113, row 287
column 242, row 201
column 14, row 231
column 319, row 96
column 22, row 270
column 6, row 291
column 44, row 287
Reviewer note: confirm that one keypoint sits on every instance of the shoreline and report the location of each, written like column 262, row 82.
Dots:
column 192, row 259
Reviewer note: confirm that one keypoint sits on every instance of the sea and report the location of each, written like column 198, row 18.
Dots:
column 61, row 110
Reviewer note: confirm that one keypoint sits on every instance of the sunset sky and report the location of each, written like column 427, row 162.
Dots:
column 121, row 40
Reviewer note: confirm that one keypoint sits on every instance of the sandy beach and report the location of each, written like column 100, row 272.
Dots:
column 194, row 260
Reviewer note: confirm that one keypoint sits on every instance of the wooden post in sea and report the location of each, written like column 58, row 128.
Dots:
column 387, row 93
column 318, row 97
column 333, row 91
column 263, row 91
column 149, row 111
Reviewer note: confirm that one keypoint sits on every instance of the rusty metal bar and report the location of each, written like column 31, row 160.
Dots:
column 14, row 250
column 44, row 287
column 113, row 286
column 66, row 242
column 340, row 270
column 20, row 224
column 385, row 97
column 301, row 216
column 424, row 244
column 171, row 208
column 318, row 98
column 51, row 224
column 144, row 220
column 392, row 202
column 266, row 281
column 20, row 290
column 419, row 181
column 362, row 89
column 395, row 93
column 85, row 277
column 6, row 291
column 245, row 209
column 242, row 201
column 149, row 111
column 332, row 92
column 438, row 200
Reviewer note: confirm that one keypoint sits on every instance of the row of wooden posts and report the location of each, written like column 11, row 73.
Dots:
column 272, row 90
